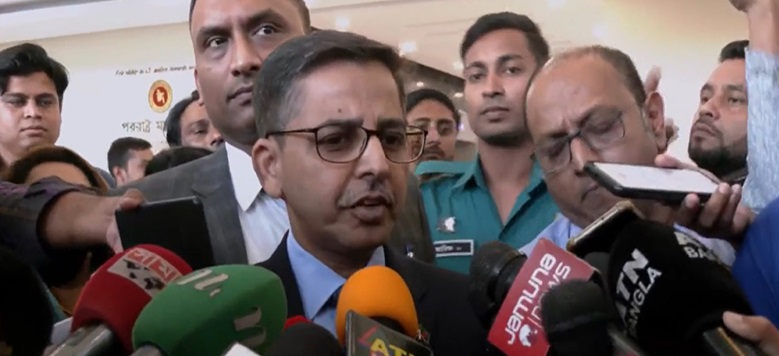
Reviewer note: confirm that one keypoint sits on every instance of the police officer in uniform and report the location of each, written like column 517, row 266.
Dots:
column 501, row 194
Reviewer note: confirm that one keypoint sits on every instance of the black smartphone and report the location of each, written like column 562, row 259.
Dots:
column 600, row 235
column 178, row 225
column 653, row 183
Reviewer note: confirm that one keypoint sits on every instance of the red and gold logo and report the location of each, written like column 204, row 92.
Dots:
column 160, row 96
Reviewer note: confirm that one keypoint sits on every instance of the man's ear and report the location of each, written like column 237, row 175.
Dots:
column 197, row 86
column 266, row 157
column 118, row 173
column 654, row 116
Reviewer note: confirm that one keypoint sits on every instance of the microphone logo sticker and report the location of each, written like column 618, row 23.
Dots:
column 146, row 269
column 527, row 336
column 251, row 322
column 632, row 289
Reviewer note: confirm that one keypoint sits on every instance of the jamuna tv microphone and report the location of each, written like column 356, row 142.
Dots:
column 517, row 329
column 112, row 299
column 671, row 292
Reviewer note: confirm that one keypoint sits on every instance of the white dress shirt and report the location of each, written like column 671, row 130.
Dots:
column 264, row 219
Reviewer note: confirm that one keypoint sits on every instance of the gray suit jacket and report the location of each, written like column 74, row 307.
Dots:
column 208, row 178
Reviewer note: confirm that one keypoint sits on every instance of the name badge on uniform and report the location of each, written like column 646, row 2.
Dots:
column 452, row 248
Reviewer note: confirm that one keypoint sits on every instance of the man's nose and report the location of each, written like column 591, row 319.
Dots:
column 493, row 87
column 373, row 160
column 31, row 110
column 581, row 153
column 246, row 58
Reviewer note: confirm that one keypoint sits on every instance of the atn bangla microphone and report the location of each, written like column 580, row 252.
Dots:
column 207, row 311
column 380, row 294
column 114, row 296
column 517, row 329
column 671, row 292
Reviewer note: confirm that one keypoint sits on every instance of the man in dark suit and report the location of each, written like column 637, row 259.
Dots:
column 335, row 144
column 244, row 222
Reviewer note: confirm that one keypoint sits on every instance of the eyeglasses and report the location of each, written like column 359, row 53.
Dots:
column 344, row 143
column 597, row 132
column 444, row 127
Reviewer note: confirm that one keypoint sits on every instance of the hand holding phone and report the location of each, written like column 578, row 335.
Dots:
column 669, row 185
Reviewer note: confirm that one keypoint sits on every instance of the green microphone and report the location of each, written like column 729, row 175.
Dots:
column 208, row 310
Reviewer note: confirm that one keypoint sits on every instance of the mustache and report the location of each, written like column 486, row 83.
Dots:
column 433, row 149
column 375, row 191
column 709, row 123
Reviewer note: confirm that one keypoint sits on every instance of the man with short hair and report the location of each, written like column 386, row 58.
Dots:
column 336, row 146
column 231, row 39
column 188, row 124
column 127, row 159
column 589, row 104
column 32, row 86
column 718, row 139
column 500, row 195
column 433, row 111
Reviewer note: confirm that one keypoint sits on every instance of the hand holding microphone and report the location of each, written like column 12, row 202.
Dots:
column 756, row 329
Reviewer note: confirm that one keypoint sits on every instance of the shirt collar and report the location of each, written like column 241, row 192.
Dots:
column 316, row 281
column 246, row 184
column 475, row 175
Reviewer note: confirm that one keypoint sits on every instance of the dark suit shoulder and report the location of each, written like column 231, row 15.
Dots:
column 446, row 313
column 170, row 183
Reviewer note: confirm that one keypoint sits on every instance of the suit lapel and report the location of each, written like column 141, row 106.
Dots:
column 215, row 189
column 406, row 269
column 279, row 264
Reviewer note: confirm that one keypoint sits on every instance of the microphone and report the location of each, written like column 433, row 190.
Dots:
column 600, row 234
column 294, row 320
column 379, row 293
column 206, row 311
column 578, row 322
column 376, row 313
column 305, row 339
column 517, row 329
column 25, row 313
column 493, row 269
column 114, row 296
column 671, row 292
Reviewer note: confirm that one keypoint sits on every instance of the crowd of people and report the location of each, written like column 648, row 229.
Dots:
column 277, row 142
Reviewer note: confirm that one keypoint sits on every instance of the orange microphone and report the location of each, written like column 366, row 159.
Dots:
column 376, row 312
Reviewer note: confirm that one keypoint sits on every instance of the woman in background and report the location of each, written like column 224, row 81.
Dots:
column 61, row 162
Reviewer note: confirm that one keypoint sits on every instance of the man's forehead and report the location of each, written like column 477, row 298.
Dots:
column 33, row 84
column 733, row 71
column 221, row 12
column 497, row 44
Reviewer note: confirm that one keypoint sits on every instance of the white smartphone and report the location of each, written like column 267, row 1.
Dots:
column 647, row 182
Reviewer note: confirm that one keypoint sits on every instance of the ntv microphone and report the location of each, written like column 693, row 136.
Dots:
column 578, row 321
column 25, row 312
column 671, row 292
column 113, row 298
column 517, row 329
column 376, row 314
column 207, row 311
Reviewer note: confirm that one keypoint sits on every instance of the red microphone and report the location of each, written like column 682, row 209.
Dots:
column 114, row 297
column 517, row 329
column 294, row 320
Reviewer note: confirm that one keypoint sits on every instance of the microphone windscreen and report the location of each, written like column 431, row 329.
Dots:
column 294, row 320
column 377, row 291
column 26, row 318
column 576, row 319
column 493, row 269
column 305, row 339
column 117, row 292
column 206, row 311
column 668, row 287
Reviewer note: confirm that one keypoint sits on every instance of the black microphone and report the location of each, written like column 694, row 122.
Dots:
column 578, row 320
column 26, row 318
column 493, row 269
column 671, row 292
column 305, row 339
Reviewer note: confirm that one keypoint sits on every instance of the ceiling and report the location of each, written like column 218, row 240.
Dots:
column 427, row 31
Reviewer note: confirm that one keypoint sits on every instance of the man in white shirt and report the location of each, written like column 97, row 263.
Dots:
column 231, row 38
